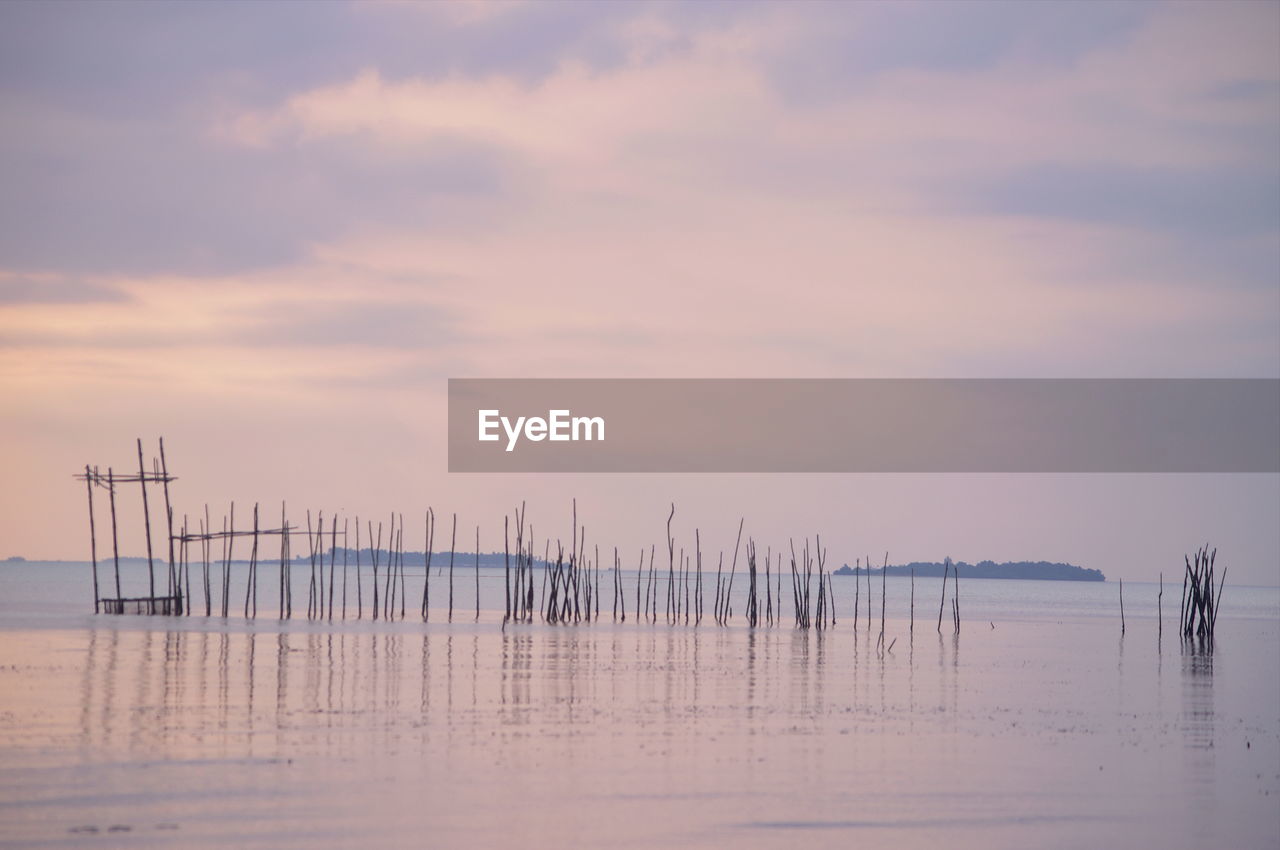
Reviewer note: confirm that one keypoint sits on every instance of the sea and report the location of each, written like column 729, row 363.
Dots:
column 1041, row 722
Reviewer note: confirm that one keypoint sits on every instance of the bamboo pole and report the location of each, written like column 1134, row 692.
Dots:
column 251, row 585
column 857, row 594
column 284, row 557
column 1121, row 606
column 389, row 590
column 426, row 579
column 697, row 595
column 205, row 528
column 648, row 587
column 831, row 595
column 946, row 568
column 226, row 572
column 884, row 586
column 868, row 596
column 1182, row 611
column 671, row 567
column 768, row 587
column 333, row 554
column 377, row 556
column 311, row 553
column 795, row 587
column 184, row 561
column 506, row 569
column 453, row 544
column 955, row 593
column 174, row 588
column 728, row 594
column 639, row 573
column 346, row 550
column 146, row 515
column 719, row 590
column 93, row 540
column 1213, row 621
column 400, row 564
column 913, row 598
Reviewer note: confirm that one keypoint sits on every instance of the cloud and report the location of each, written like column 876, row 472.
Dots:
column 651, row 181
column 1188, row 203
column 84, row 196
column 26, row 289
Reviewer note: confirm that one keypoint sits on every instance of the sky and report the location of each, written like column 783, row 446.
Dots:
column 271, row 232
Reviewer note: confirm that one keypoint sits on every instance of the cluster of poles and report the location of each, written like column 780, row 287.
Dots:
column 569, row 590
column 171, row 601
column 570, row 585
column 1201, row 593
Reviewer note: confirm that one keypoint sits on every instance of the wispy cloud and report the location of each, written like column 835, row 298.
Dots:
column 46, row 289
column 248, row 206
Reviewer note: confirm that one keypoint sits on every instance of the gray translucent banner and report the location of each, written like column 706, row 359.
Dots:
column 834, row 425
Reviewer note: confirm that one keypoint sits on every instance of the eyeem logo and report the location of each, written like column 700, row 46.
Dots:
column 559, row 426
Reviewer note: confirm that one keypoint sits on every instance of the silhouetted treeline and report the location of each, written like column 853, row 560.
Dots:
column 416, row 559
column 1042, row 570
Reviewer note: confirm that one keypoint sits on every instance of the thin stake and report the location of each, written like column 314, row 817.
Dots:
column 93, row 539
column 146, row 514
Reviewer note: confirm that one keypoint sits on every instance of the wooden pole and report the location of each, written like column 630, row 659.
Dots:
column 377, row 556
column 174, row 579
column 648, row 585
column 93, row 539
column 1182, row 611
column 185, row 565
column 284, row 556
column 946, row 568
column 868, row 596
column 698, row 599
column 287, row 543
column 1160, row 610
column 857, row 595
column 311, row 553
column 453, row 544
column 1121, row 606
column 1214, row 619
column 359, row 584
column 400, row 548
column 146, row 515
column 477, row 573
column 253, row 561
column 226, row 570
column 884, row 585
column 506, row 569
column 333, row 555
column 671, row 567
column 728, row 594
column 346, row 550
column 426, row 582
column 388, row 594
column 955, row 593
column 206, row 529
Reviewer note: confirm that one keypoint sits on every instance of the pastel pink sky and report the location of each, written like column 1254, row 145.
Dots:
column 270, row 233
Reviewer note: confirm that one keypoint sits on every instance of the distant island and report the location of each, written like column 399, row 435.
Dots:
column 1041, row 570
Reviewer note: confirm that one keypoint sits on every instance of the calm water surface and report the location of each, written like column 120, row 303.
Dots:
column 1039, row 725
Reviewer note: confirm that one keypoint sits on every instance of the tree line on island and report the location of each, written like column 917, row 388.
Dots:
column 1041, row 570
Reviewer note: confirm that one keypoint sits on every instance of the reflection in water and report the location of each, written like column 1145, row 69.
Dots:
column 1198, row 735
column 710, row 720
column 1197, row 697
